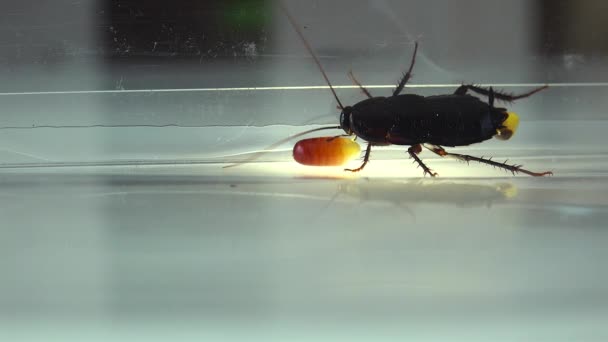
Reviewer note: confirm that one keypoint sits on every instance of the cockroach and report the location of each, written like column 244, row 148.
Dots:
column 457, row 119
column 326, row 151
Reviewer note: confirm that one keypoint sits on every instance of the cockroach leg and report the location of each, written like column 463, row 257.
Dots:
column 361, row 87
column 413, row 151
column 365, row 159
column 436, row 149
column 462, row 90
column 467, row 158
column 408, row 74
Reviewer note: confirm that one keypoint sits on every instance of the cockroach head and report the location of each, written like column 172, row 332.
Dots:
column 345, row 119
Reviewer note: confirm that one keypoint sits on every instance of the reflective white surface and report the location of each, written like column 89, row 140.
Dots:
column 180, row 252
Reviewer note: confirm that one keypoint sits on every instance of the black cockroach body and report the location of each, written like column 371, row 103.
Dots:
column 447, row 120
column 457, row 119
column 450, row 120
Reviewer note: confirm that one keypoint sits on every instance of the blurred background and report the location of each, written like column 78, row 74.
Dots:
column 118, row 222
